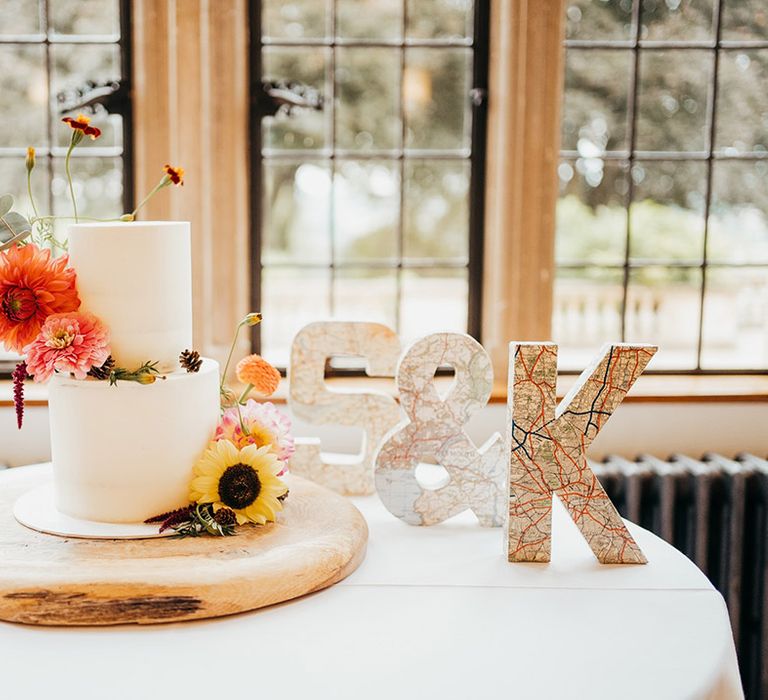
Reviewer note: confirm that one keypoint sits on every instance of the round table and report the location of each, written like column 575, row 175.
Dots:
column 433, row 612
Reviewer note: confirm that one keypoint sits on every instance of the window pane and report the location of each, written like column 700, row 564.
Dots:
column 436, row 98
column 686, row 20
column 667, row 216
column 598, row 19
column 591, row 212
column 672, row 104
column 745, row 19
column 303, row 129
column 735, row 313
column 98, row 184
column 742, row 104
column 738, row 225
column 432, row 300
column 586, row 313
column 19, row 17
column 24, row 95
column 84, row 16
column 436, row 209
column 369, row 19
column 367, row 81
column 366, row 201
column 663, row 309
column 291, row 298
column 13, row 180
column 595, row 107
column 439, row 19
column 366, row 295
column 296, row 215
column 75, row 65
column 294, row 19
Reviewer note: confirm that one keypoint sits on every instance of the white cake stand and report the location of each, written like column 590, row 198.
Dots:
column 36, row 509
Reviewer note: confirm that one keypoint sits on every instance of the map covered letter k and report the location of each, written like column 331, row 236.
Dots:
column 548, row 445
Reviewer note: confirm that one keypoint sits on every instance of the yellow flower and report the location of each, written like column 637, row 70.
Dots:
column 243, row 480
column 251, row 319
column 30, row 160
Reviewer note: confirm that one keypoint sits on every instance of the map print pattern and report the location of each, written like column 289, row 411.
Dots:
column 435, row 431
column 311, row 400
column 548, row 450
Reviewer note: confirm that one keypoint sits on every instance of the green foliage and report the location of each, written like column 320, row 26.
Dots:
column 146, row 374
column 202, row 521
column 14, row 227
column 661, row 232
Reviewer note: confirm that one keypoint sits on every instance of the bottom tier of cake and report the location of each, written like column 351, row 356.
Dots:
column 125, row 453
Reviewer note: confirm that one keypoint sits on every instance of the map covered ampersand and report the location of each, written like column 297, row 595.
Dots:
column 435, row 430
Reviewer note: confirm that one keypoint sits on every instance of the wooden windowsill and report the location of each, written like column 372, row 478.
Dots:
column 738, row 388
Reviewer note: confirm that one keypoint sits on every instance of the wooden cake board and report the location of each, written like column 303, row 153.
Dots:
column 320, row 539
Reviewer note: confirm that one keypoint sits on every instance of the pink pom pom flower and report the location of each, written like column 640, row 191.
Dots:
column 69, row 342
column 264, row 425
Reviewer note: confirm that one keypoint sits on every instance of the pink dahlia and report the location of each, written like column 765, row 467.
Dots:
column 71, row 342
column 264, row 425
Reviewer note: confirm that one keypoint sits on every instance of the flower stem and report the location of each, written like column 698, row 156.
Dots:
column 69, row 175
column 244, row 395
column 163, row 182
column 243, row 427
column 229, row 357
column 29, row 192
column 32, row 202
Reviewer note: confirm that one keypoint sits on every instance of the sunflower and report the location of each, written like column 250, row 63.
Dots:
column 243, row 480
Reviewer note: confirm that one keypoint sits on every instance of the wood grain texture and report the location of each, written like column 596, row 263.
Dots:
column 46, row 580
column 190, row 104
column 525, row 88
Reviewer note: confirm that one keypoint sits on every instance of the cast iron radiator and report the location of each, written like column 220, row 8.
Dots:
column 715, row 511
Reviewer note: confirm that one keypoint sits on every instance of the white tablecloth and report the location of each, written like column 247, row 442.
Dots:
column 431, row 613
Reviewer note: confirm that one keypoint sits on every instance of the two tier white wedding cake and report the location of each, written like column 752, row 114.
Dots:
column 125, row 453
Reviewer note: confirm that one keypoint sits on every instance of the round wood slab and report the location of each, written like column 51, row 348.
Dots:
column 48, row 580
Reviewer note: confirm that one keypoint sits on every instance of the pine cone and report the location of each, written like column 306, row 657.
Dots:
column 190, row 360
column 104, row 371
column 225, row 516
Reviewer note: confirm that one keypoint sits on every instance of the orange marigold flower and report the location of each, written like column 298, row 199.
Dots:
column 32, row 287
column 255, row 370
column 176, row 175
column 83, row 123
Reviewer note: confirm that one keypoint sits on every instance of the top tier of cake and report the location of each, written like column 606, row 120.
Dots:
column 137, row 278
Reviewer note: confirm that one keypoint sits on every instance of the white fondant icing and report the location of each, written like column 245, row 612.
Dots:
column 125, row 453
column 137, row 278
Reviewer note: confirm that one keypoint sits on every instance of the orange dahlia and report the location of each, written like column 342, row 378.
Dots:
column 255, row 370
column 32, row 287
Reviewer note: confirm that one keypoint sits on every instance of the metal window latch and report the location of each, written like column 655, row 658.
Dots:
column 287, row 97
column 113, row 96
column 478, row 96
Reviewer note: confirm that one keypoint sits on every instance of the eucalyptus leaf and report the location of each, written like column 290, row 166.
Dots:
column 13, row 228
column 6, row 204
